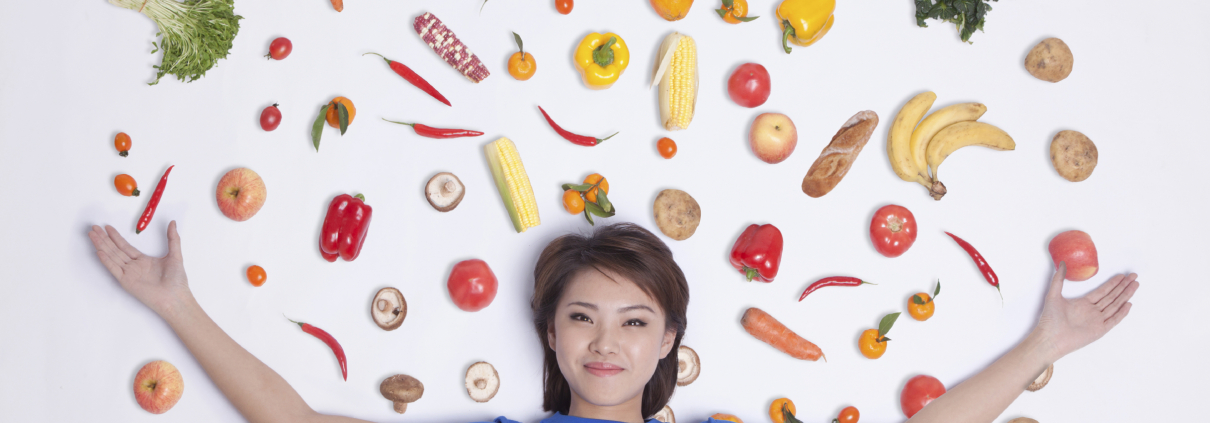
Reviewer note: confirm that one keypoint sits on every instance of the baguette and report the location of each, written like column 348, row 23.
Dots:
column 836, row 159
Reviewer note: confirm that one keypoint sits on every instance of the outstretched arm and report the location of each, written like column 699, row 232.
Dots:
column 1066, row 325
column 259, row 393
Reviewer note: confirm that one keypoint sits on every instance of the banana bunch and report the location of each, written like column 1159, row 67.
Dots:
column 915, row 146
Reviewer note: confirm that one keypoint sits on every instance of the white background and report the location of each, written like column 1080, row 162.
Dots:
column 71, row 76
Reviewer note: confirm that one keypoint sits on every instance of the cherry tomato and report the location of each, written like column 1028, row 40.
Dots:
column 256, row 275
column 667, row 148
column 270, row 118
column 280, row 48
column 893, row 230
column 472, row 285
column 126, row 185
column 919, row 392
column 564, row 6
column 122, row 143
column 848, row 415
column 749, row 85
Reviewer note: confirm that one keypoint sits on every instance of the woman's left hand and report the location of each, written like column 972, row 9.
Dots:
column 158, row 282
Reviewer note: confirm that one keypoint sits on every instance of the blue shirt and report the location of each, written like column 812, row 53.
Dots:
column 561, row 418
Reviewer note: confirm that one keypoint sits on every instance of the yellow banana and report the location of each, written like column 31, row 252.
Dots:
column 963, row 134
column 934, row 123
column 899, row 138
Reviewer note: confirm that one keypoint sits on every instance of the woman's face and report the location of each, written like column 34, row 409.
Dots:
column 608, row 336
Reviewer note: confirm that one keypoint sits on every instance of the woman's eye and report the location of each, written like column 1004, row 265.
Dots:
column 635, row 322
column 581, row 317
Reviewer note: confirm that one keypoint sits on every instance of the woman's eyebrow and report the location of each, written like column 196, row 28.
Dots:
column 583, row 304
column 635, row 307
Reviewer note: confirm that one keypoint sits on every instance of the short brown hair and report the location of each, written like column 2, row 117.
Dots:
column 629, row 251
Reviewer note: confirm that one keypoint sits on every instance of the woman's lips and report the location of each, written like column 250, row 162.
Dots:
column 602, row 369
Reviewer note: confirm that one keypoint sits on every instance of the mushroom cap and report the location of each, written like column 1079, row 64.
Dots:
column 1042, row 379
column 401, row 389
column 389, row 308
column 444, row 191
column 665, row 415
column 688, row 366
column 482, row 381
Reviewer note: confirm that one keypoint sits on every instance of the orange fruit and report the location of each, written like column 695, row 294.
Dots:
column 591, row 195
column 920, row 312
column 775, row 409
column 727, row 417
column 739, row 9
column 256, row 275
column 333, row 116
column 572, row 201
column 522, row 68
column 671, row 10
column 869, row 344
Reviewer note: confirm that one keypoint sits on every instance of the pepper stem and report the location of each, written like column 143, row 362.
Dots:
column 601, row 140
column 603, row 55
column 401, row 123
column 379, row 55
column 360, row 197
column 300, row 324
column 786, row 32
column 751, row 273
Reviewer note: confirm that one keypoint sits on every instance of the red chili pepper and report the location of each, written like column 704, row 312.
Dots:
column 833, row 281
column 345, row 227
column 984, row 268
column 575, row 139
column 153, row 202
column 440, row 133
column 757, row 252
column 415, row 79
column 328, row 339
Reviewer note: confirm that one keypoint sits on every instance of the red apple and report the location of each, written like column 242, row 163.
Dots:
column 158, row 386
column 240, row 194
column 1076, row 249
column 773, row 137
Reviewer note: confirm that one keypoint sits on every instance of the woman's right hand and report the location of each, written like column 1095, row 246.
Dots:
column 1067, row 325
column 158, row 282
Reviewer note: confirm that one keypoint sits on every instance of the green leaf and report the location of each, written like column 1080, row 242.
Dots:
column 596, row 209
column 519, row 46
column 580, row 187
column 343, row 112
column 603, row 201
column 916, row 300
column 317, row 129
column 885, row 325
column 938, row 290
column 747, row 18
column 728, row 3
column 722, row 13
column 589, row 217
column 789, row 417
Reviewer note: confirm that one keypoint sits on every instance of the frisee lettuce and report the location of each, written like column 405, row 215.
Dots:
column 194, row 33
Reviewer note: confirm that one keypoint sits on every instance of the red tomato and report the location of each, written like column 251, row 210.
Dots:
column 893, row 230
column 280, row 48
column 472, row 285
column 563, row 6
column 270, row 118
column 919, row 392
column 667, row 147
column 849, row 415
column 749, row 85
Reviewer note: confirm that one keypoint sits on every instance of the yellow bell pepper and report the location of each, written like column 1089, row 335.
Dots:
column 803, row 22
column 602, row 58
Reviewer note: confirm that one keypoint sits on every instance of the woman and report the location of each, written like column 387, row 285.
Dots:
column 598, row 303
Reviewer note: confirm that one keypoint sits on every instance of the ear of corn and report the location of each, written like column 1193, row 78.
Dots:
column 676, row 72
column 513, row 183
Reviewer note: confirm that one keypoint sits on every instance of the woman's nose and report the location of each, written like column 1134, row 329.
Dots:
column 606, row 340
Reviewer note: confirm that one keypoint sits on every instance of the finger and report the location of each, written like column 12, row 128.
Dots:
column 122, row 244
column 1122, row 298
column 1112, row 295
column 114, row 268
column 1098, row 294
column 1117, row 317
column 174, row 241
column 106, row 244
column 1056, row 282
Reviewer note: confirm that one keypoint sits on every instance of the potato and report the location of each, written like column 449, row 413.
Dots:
column 677, row 214
column 1074, row 155
column 1050, row 60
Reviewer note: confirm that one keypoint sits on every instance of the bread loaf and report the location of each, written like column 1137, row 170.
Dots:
column 836, row 159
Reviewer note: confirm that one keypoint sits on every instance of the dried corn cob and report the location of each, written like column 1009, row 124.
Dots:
column 446, row 44
column 676, row 72
column 513, row 183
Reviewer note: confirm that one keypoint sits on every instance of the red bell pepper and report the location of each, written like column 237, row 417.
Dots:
column 344, row 228
column 757, row 252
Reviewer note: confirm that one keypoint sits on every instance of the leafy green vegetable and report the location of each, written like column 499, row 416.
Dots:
column 194, row 33
column 968, row 15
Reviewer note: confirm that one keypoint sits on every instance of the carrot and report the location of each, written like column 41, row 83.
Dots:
column 765, row 328
column 339, row 5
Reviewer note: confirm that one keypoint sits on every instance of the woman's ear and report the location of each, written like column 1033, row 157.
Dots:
column 666, row 345
column 550, row 336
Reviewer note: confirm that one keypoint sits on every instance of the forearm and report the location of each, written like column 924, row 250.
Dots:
column 988, row 393
column 258, row 392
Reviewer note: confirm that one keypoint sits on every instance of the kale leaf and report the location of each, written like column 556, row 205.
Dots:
column 967, row 15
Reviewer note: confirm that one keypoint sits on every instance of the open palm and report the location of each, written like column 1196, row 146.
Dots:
column 158, row 282
column 1070, row 324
